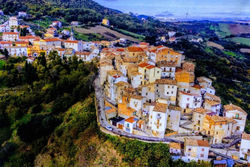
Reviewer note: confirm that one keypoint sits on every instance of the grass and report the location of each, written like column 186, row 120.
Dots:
column 88, row 37
column 43, row 23
column 125, row 32
column 233, row 54
column 241, row 40
column 223, row 30
column 2, row 62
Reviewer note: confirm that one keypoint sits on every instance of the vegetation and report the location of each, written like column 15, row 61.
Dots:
column 241, row 40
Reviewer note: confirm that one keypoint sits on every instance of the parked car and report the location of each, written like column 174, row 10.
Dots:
column 109, row 128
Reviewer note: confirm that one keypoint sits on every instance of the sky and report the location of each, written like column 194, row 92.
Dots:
column 180, row 8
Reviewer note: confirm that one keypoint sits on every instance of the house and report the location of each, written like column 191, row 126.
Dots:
column 13, row 22
column 104, row 68
column 74, row 23
column 130, row 124
column 135, row 52
column 245, row 147
column 213, row 106
column 61, row 51
column 124, row 111
column 149, row 72
column 110, row 110
column 204, row 81
column 53, row 42
column 217, row 127
column 57, row 24
column 184, row 79
column 76, row 45
column 136, row 102
column 105, row 22
column 238, row 114
column 188, row 66
column 113, row 77
column 148, row 92
column 167, row 54
column 196, row 150
column 174, row 116
column 136, row 79
column 198, row 118
column 50, row 33
column 166, row 89
column 29, row 38
column 119, row 89
column 85, row 56
column 189, row 100
column 168, row 69
column 17, row 50
column 175, row 148
column 1, row 13
column 4, row 44
column 22, row 14
column 10, row 36
column 158, row 119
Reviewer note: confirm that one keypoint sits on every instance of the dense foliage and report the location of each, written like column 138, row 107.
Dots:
column 32, row 99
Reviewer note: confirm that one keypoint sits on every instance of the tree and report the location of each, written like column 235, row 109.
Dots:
column 6, row 53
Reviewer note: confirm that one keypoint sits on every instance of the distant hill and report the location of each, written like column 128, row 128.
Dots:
column 85, row 11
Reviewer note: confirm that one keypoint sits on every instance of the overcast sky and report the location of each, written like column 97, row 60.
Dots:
column 181, row 7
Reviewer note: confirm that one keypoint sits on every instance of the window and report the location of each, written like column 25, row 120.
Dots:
column 202, row 155
column 187, row 99
column 202, row 149
column 189, row 149
column 237, row 116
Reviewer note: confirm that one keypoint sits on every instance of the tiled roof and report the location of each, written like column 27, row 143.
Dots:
column 52, row 39
column 130, row 120
column 231, row 107
column 175, row 145
column 134, row 49
column 166, row 81
column 246, row 136
column 212, row 102
column 143, row 65
column 200, row 110
column 160, row 107
column 194, row 142
column 10, row 33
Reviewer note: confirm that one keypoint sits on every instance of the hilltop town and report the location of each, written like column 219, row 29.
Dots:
column 149, row 93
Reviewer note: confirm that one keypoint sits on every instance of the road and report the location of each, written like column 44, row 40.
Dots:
column 101, row 118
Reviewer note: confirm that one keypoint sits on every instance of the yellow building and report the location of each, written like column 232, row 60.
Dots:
column 217, row 127
column 105, row 22
column 149, row 73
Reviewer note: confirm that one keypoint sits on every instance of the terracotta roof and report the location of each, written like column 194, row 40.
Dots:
column 200, row 110
column 130, row 120
column 69, row 41
column 150, row 67
column 166, row 64
column 83, row 53
column 10, row 33
column 144, row 43
column 197, row 86
column 5, row 42
column 143, row 65
column 213, row 97
column 246, row 136
column 172, row 107
column 137, row 97
column 52, row 39
column 160, row 107
column 212, row 102
column 175, row 145
column 194, row 142
column 231, row 107
column 134, row 49
column 114, row 72
column 166, row 81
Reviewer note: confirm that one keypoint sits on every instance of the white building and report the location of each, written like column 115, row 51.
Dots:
column 136, row 103
column 196, row 150
column 13, row 22
column 17, row 50
column 213, row 106
column 238, row 114
column 85, row 56
column 198, row 118
column 148, row 93
column 166, row 89
column 22, row 14
column 57, row 24
column 189, row 100
column 168, row 69
column 174, row 116
column 245, row 147
column 1, row 13
column 76, row 45
column 175, row 148
column 136, row 79
column 158, row 119
column 130, row 124
column 10, row 36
